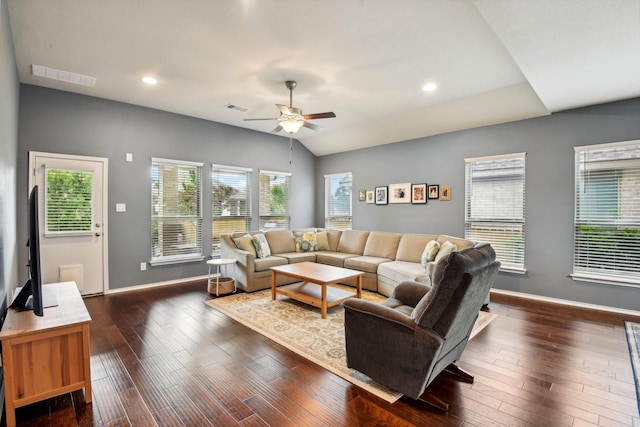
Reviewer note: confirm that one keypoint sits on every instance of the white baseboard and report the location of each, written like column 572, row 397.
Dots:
column 567, row 302
column 157, row 284
column 497, row 291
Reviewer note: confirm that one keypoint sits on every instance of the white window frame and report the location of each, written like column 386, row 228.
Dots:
column 268, row 220
column 189, row 255
column 495, row 206
column 242, row 214
column 331, row 218
column 607, row 213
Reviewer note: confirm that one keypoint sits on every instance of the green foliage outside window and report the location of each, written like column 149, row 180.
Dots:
column 608, row 247
column 69, row 204
column 278, row 199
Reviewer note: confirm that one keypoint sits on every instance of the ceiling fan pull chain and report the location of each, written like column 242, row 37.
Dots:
column 290, row 149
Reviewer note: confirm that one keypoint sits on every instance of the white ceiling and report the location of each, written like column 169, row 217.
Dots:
column 494, row 61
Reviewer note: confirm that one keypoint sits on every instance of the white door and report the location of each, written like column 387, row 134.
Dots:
column 73, row 239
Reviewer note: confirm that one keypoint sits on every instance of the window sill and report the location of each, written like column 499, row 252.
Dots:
column 513, row 269
column 176, row 260
column 607, row 280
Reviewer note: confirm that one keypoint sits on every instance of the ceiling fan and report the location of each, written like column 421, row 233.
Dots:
column 291, row 119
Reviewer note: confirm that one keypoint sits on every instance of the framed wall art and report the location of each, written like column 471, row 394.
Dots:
column 362, row 195
column 445, row 192
column 371, row 196
column 434, row 191
column 381, row 196
column 400, row 193
column 418, row 193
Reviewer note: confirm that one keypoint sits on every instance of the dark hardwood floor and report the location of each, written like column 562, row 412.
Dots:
column 163, row 357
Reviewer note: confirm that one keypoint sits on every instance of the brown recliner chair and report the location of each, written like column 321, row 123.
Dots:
column 408, row 340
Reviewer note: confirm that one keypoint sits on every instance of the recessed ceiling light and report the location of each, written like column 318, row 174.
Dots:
column 149, row 80
column 429, row 87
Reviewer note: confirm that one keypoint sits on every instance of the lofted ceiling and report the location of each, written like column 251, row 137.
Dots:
column 493, row 61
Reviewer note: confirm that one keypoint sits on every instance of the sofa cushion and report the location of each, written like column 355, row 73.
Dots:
column 294, row 257
column 305, row 241
column 264, row 264
column 333, row 236
column 262, row 247
column 382, row 244
column 399, row 271
column 460, row 243
column 280, row 241
column 445, row 249
column 368, row 264
column 322, row 239
column 411, row 247
column 352, row 242
column 430, row 252
column 245, row 243
column 333, row 258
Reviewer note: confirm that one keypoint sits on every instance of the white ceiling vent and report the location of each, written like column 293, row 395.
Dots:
column 63, row 76
column 237, row 108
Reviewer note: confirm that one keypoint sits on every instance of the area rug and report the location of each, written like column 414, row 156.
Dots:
column 300, row 328
column 633, row 339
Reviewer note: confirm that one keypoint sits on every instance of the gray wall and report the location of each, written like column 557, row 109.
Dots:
column 61, row 122
column 548, row 142
column 9, row 93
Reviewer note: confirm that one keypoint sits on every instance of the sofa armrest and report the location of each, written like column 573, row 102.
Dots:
column 410, row 293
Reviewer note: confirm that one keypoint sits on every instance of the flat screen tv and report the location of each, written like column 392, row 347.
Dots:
column 30, row 296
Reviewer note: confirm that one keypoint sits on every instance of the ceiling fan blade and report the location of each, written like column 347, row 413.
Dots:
column 249, row 120
column 283, row 109
column 328, row 115
column 278, row 129
column 312, row 126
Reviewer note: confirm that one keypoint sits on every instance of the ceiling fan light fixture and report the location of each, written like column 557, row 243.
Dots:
column 291, row 124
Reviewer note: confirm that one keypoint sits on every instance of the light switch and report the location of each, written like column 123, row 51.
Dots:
column 121, row 207
column 129, row 157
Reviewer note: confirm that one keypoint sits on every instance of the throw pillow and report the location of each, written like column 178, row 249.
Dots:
column 245, row 243
column 430, row 252
column 306, row 242
column 262, row 246
column 445, row 249
column 322, row 239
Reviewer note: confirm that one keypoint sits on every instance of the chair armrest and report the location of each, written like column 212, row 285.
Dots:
column 410, row 292
column 367, row 308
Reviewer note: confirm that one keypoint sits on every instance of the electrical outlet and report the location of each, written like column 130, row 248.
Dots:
column 143, row 266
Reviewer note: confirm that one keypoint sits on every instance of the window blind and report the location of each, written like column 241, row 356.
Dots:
column 495, row 206
column 230, row 202
column 68, row 202
column 607, row 213
column 176, row 211
column 275, row 212
column 338, row 201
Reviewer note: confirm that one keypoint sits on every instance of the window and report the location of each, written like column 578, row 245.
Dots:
column 607, row 213
column 275, row 212
column 176, row 211
column 494, row 206
column 230, row 201
column 68, row 202
column 337, row 213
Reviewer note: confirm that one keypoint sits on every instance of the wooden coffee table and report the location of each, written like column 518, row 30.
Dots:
column 312, row 275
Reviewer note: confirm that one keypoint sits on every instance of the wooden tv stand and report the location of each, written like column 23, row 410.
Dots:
column 46, row 356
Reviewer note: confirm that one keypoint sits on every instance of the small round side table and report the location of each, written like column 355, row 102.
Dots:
column 218, row 263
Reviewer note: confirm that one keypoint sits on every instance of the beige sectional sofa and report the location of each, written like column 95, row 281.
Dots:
column 386, row 259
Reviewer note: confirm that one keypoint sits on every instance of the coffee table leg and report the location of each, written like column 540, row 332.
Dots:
column 273, row 285
column 323, row 303
column 359, row 287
